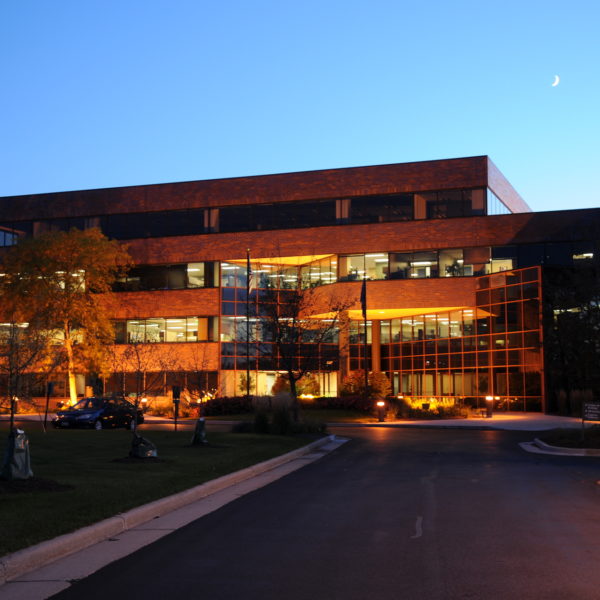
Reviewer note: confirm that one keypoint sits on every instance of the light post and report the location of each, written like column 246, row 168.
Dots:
column 176, row 399
column 381, row 411
column 489, row 406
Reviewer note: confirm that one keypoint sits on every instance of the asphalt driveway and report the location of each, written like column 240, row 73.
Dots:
column 393, row 514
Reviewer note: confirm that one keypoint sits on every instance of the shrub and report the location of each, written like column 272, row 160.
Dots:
column 354, row 384
column 429, row 408
column 282, row 422
column 309, row 427
column 261, row 422
column 243, row 427
column 281, row 385
column 350, row 402
column 228, row 405
column 307, row 384
column 242, row 386
column 264, row 403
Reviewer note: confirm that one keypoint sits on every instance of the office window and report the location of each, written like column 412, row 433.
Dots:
column 153, row 224
column 167, row 277
column 377, row 209
column 291, row 215
column 351, row 267
column 452, row 263
column 320, row 272
column 424, row 264
column 399, row 265
column 173, row 329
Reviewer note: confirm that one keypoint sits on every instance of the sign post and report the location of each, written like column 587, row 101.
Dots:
column 49, row 392
column 591, row 412
column 176, row 395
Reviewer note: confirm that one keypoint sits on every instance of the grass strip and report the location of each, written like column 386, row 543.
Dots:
column 316, row 415
column 573, row 437
column 80, row 476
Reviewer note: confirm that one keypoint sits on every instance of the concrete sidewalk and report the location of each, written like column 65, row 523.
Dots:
column 516, row 421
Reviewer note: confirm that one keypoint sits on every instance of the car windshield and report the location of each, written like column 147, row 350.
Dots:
column 88, row 404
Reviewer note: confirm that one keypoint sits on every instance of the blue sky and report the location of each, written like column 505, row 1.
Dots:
column 103, row 93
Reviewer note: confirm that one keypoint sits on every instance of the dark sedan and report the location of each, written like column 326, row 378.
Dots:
column 99, row 413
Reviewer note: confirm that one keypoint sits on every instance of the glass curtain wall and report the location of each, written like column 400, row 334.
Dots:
column 492, row 349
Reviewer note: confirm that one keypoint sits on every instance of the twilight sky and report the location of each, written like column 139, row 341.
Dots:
column 103, row 93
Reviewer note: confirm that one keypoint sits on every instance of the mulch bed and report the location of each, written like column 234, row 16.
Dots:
column 33, row 484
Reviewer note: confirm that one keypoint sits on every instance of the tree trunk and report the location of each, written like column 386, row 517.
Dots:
column 294, row 394
column 70, row 367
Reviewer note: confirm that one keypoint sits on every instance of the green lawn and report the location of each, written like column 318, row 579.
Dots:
column 100, row 486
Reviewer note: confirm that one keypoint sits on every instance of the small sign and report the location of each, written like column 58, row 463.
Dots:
column 591, row 411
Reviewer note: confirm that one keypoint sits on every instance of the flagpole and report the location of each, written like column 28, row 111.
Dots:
column 248, row 275
column 363, row 303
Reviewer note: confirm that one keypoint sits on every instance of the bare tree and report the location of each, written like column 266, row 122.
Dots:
column 148, row 363
column 198, row 365
column 23, row 346
column 21, row 350
column 299, row 330
column 199, row 389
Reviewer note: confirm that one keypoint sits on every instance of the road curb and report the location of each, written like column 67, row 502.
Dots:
column 549, row 449
column 475, row 427
column 34, row 557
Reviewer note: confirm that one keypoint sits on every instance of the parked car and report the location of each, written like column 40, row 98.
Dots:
column 99, row 413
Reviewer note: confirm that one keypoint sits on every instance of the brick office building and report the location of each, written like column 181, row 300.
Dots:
column 452, row 255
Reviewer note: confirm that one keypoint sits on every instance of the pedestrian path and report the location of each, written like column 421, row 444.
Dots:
column 517, row 421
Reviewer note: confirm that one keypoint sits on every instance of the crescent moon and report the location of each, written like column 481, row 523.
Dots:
column 556, row 81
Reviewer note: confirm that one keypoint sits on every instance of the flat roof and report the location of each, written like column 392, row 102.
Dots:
column 445, row 174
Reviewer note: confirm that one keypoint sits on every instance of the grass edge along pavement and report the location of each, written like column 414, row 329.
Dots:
column 33, row 557
column 97, row 481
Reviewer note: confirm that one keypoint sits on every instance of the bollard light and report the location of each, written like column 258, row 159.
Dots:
column 489, row 406
column 381, row 411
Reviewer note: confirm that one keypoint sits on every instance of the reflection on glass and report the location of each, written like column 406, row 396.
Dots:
column 195, row 275
column 351, row 267
column 452, row 264
column 424, row 264
column 155, row 330
column 376, row 265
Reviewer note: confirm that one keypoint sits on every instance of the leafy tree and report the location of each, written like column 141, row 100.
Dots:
column 245, row 383
column 354, row 384
column 62, row 282
column 308, row 384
